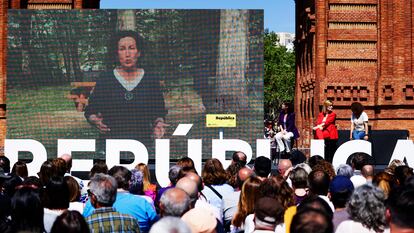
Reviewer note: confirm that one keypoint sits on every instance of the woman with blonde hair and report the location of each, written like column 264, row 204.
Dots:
column 248, row 196
column 326, row 129
column 150, row 189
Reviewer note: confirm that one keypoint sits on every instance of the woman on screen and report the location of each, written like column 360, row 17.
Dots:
column 326, row 129
column 127, row 102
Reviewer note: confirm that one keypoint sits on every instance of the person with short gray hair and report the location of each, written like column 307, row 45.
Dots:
column 345, row 170
column 104, row 188
column 170, row 224
column 366, row 209
column 102, row 195
column 174, row 202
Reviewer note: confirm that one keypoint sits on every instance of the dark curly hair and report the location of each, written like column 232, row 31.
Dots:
column 112, row 55
column 357, row 109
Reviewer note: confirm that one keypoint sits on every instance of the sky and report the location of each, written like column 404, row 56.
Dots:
column 279, row 15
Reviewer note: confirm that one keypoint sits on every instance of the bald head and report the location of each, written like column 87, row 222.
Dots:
column 197, row 179
column 174, row 202
column 243, row 175
column 239, row 157
column 284, row 165
column 367, row 171
column 68, row 160
column 190, row 187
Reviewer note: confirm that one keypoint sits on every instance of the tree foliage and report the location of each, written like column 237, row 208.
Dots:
column 279, row 78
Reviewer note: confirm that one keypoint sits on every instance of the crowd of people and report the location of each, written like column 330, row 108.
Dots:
column 307, row 197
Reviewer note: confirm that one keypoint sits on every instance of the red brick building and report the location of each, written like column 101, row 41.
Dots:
column 26, row 4
column 355, row 50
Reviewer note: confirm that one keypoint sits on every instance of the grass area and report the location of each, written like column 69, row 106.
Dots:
column 46, row 114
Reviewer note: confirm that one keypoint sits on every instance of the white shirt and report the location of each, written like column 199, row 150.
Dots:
column 359, row 122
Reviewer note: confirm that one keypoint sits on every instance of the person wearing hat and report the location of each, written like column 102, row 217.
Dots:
column 200, row 220
column 267, row 215
column 340, row 191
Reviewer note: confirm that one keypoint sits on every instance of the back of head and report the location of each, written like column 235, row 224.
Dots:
column 319, row 182
column 402, row 173
column 170, row 224
column 232, row 171
column 57, row 194
column 268, row 211
column 103, row 187
column 27, row 211
column 313, row 160
column 200, row 220
column 68, row 160
column 73, row 187
column 190, row 187
column 276, row 187
column 359, row 160
column 262, row 166
column 400, row 205
column 340, row 190
column 70, row 222
column 239, row 157
column 46, row 172
column 5, row 164
column 213, row 172
column 299, row 178
column 311, row 220
column 98, row 167
column 366, row 206
column 315, row 202
column 243, row 174
column 122, row 176
column 174, row 202
column 186, row 162
column 59, row 167
column 345, row 170
column 20, row 169
column 196, row 178
column 174, row 173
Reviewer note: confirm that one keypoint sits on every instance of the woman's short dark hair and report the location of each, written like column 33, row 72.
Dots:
column 70, row 222
column 98, row 167
column 56, row 194
column 113, row 45
column 289, row 107
column 357, row 109
column 27, row 211
column 74, row 189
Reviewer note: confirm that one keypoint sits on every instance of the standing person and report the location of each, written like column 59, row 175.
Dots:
column 326, row 129
column 127, row 102
column 287, row 127
column 359, row 122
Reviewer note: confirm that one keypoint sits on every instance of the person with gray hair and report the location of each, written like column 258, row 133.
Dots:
column 126, row 202
column 170, row 224
column 174, row 202
column 367, row 211
column 345, row 170
column 102, row 194
column 173, row 175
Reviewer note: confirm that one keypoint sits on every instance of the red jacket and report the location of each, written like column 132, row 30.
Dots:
column 329, row 129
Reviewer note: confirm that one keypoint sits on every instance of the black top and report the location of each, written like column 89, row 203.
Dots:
column 128, row 114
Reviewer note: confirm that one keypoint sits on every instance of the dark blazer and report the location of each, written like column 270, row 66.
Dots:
column 290, row 123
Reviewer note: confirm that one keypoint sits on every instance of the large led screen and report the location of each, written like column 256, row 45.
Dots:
column 134, row 74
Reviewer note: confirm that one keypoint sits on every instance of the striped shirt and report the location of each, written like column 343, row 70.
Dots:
column 107, row 219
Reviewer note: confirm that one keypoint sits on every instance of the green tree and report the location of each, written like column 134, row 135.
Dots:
column 279, row 78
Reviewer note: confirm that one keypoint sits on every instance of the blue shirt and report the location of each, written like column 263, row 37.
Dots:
column 136, row 206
